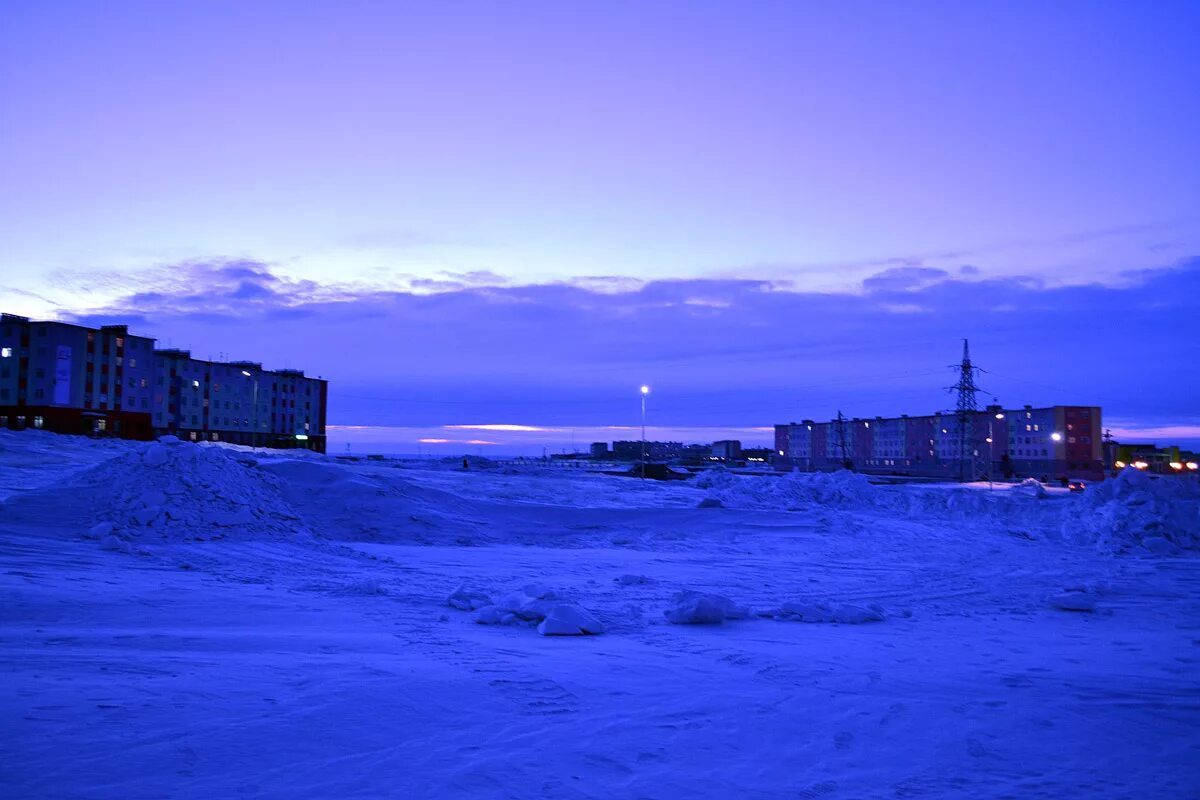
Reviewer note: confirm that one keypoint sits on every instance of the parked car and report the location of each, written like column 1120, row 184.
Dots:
column 1076, row 484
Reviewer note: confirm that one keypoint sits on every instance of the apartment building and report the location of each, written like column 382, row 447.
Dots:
column 238, row 402
column 1046, row 443
column 69, row 378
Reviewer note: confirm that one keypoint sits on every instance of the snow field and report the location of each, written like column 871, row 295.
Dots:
column 328, row 644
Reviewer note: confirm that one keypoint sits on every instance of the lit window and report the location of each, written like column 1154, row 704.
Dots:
column 6, row 352
column 195, row 384
column 38, row 422
column 133, row 362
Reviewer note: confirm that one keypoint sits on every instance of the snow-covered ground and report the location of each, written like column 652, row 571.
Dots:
column 200, row 621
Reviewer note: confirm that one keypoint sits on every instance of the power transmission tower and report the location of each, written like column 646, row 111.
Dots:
column 841, row 424
column 965, row 413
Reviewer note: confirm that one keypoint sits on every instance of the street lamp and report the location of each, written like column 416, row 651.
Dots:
column 992, row 447
column 254, row 433
column 645, row 391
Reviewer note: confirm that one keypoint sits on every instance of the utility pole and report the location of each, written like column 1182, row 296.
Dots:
column 965, row 390
column 841, row 424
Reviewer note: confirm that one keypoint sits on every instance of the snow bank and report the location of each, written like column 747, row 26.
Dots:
column 843, row 613
column 1138, row 512
column 377, row 504
column 698, row 608
column 171, row 490
column 792, row 490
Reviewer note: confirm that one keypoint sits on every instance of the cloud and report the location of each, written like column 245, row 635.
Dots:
column 716, row 352
column 899, row 279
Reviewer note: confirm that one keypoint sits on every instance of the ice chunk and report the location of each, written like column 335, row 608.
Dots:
column 540, row 592
column 465, row 599
column 697, row 608
column 711, row 502
column 145, row 516
column 565, row 619
column 155, row 455
column 111, row 542
column 99, row 530
column 493, row 615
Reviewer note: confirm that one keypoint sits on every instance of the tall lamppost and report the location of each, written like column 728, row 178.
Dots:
column 645, row 391
column 254, row 433
column 992, row 447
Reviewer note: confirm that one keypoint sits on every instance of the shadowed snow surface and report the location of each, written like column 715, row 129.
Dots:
column 204, row 621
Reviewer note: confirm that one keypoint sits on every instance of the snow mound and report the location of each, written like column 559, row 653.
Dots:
column 181, row 491
column 1031, row 487
column 792, row 490
column 842, row 613
column 348, row 504
column 565, row 619
column 1136, row 511
column 698, row 608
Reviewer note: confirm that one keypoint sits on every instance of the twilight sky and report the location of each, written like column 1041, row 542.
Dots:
column 482, row 213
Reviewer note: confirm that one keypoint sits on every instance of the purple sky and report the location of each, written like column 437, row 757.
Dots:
column 516, row 213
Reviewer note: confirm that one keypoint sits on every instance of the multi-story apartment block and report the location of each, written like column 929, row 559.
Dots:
column 73, row 379
column 103, row 381
column 1053, row 442
column 237, row 402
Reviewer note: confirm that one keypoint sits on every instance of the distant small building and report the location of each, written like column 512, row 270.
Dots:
column 1170, row 460
column 757, row 455
column 657, row 451
column 600, row 451
column 727, row 450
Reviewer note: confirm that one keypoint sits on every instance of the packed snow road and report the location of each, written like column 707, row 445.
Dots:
column 195, row 621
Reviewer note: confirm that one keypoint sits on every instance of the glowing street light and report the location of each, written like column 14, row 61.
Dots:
column 645, row 391
column 990, row 441
column 1176, row 465
column 254, row 433
column 1056, row 436
column 1119, row 465
column 1193, row 465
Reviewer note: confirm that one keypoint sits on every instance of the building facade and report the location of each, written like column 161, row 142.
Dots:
column 1045, row 443
column 69, row 378
column 237, row 402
